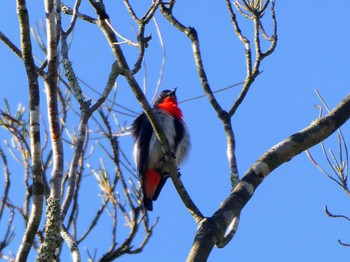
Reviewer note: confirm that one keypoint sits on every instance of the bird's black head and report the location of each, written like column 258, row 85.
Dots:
column 164, row 94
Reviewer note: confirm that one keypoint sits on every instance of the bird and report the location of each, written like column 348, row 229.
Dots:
column 148, row 155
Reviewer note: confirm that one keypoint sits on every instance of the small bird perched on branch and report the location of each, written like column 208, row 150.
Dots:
column 148, row 154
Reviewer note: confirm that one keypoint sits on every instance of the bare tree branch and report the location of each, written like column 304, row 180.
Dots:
column 129, row 75
column 252, row 68
column 34, row 98
column 10, row 44
column 120, row 189
column 7, row 182
column 73, row 247
column 211, row 230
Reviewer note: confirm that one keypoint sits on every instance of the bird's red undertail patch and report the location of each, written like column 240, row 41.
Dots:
column 152, row 179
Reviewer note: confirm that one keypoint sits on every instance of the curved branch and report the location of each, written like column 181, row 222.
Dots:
column 74, row 17
column 72, row 244
column 191, row 33
column 211, row 231
column 253, row 70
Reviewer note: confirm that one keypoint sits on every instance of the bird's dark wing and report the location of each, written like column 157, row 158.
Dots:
column 159, row 187
column 180, row 132
column 142, row 130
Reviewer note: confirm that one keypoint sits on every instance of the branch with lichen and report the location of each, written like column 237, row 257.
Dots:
column 52, row 231
column 53, row 222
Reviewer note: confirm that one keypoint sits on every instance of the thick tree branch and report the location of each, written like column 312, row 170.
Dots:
column 53, row 222
column 52, row 102
column 211, row 230
column 34, row 115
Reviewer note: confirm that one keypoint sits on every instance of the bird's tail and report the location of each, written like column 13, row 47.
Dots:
column 151, row 180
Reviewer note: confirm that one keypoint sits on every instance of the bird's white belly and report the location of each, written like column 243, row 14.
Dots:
column 155, row 153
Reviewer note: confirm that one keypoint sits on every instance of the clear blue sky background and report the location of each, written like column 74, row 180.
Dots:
column 284, row 221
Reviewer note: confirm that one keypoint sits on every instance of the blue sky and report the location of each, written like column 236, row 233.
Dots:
column 284, row 221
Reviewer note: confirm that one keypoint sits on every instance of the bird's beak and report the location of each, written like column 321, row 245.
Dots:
column 173, row 93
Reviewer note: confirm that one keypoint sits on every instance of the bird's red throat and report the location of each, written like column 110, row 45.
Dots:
column 170, row 105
